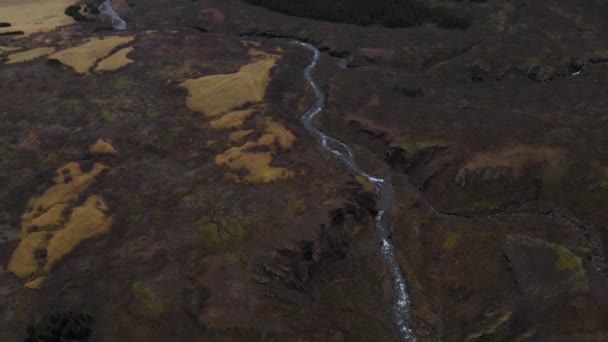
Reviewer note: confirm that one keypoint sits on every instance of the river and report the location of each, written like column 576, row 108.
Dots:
column 401, row 301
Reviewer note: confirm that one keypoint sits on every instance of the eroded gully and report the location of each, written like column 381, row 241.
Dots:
column 401, row 301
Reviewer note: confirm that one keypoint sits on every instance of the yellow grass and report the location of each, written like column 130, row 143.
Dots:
column 8, row 48
column 43, row 225
column 35, row 284
column 367, row 186
column 516, row 157
column 22, row 263
column 234, row 119
column 81, row 58
column 61, row 192
column 239, row 135
column 116, row 60
column 102, row 147
column 25, row 56
column 86, row 222
column 219, row 96
column 257, row 164
column 48, row 220
column 251, row 43
column 31, row 16
column 216, row 94
column 284, row 137
column 266, row 140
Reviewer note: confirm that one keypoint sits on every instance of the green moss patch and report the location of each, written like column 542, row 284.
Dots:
column 569, row 262
column 153, row 306
column 451, row 237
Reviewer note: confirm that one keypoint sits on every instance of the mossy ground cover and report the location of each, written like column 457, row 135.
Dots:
column 163, row 183
column 571, row 263
column 130, row 154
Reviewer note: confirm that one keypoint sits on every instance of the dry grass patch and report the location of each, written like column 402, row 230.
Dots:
column 69, row 183
column 257, row 163
column 102, row 146
column 116, row 60
column 223, row 97
column 32, row 16
column 216, row 94
column 35, row 284
column 83, row 57
column 46, row 234
column 23, row 262
column 234, row 119
column 25, row 56
column 283, row 136
column 239, row 135
column 8, row 48
column 86, row 222
column 49, row 219
column 516, row 157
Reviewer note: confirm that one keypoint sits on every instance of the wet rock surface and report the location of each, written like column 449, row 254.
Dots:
column 495, row 137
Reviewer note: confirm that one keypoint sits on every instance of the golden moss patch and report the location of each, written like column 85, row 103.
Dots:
column 31, row 16
column 233, row 119
column 69, row 183
column 229, row 100
column 23, row 262
column 257, row 163
column 116, row 61
column 83, row 57
column 516, row 157
column 25, row 56
column 101, row 146
column 50, row 219
column 239, row 135
column 251, row 44
column 8, row 48
column 86, row 222
column 46, row 234
column 35, row 284
column 217, row 94
column 280, row 134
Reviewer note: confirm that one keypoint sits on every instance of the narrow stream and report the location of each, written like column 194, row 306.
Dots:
column 401, row 300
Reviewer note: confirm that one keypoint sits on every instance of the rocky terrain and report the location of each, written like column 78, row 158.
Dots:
column 158, row 184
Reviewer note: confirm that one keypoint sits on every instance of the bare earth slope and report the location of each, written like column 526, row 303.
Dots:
column 138, row 187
